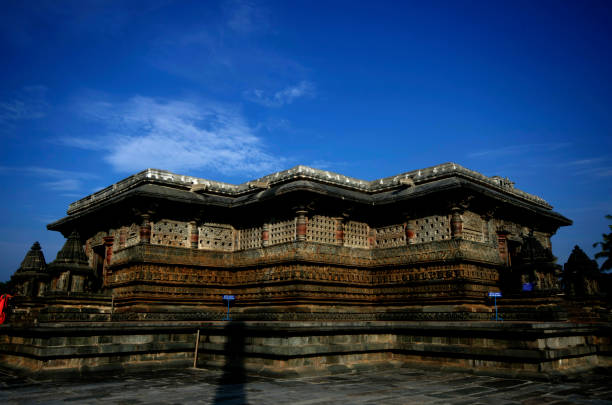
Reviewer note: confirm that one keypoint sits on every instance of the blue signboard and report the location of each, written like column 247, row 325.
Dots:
column 527, row 287
column 495, row 296
column 228, row 298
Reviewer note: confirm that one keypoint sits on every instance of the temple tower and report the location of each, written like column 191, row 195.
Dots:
column 31, row 279
column 70, row 271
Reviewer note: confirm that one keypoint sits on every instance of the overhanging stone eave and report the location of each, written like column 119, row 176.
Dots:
column 146, row 191
column 559, row 219
column 458, row 183
column 155, row 191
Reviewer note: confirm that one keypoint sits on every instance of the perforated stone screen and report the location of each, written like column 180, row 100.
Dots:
column 170, row 233
column 321, row 229
column 390, row 236
column 250, row 238
column 212, row 236
column 435, row 227
column 282, row 232
column 356, row 234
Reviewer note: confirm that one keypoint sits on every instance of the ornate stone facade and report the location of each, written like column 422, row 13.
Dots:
column 150, row 258
column 298, row 241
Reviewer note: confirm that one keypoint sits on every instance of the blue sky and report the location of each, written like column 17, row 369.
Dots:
column 94, row 91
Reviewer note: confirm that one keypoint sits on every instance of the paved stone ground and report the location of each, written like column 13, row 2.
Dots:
column 395, row 386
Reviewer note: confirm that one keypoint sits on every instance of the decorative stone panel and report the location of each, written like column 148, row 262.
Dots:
column 170, row 233
column 514, row 230
column 216, row 237
column 96, row 240
column 132, row 236
column 356, row 234
column 435, row 227
column 282, row 232
column 250, row 238
column 321, row 229
column 543, row 238
column 391, row 236
column 473, row 227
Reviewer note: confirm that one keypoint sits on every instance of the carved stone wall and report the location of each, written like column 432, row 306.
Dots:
column 543, row 238
column 170, row 233
column 514, row 230
column 432, row 228
column 213, row 236
column 320, row 282
column 132, row 235
column 91, row 243
column 473, row 226
column 391, row 236
column 249, row 238
column 321, row 229
column 282, row 231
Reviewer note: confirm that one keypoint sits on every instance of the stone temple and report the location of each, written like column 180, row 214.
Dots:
column 328, row 273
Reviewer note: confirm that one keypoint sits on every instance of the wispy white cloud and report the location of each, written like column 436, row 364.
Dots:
column 520, row 149
column 584, row 162
column 285, row 96
column 26, row 104
column 600, row 171
column 63, row 184
column 53, row 179
column 175, row 135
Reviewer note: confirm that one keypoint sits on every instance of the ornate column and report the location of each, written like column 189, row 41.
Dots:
column 502, row 246
column 108, row 246
column 486, row 234
column 301, row 226
column 193, row 234
column 265, row 235
column 456, row 223
column 340, row 230
column 122, row 237
column 145, row 229
column 410, row 229
column 372, row 237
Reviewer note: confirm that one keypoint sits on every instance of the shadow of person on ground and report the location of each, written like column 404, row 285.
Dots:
column 230, row 386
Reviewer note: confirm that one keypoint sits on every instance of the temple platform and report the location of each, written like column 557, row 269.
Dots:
column 510, row 349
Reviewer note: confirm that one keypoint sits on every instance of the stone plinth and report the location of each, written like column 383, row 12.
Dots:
column 298, row 348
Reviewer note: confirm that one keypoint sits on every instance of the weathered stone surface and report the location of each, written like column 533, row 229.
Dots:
column 306, row 347
column 329, row 274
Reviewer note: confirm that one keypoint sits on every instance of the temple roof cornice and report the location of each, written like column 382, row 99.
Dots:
column 201, row 186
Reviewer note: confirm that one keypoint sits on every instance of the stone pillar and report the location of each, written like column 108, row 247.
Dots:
column 340, row 230
column 108, row 246
column 265, row 235
column 301, row 226
column 410, row 229
column 456, row 223
column 194, row 234
column 145, row 229
column 485, row 230
column 122, row 237
column 108, row 250
column 502, row 246
column 372, row 237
